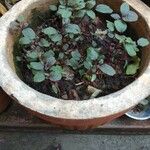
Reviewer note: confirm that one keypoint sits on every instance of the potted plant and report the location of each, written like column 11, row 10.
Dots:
column 75, row 59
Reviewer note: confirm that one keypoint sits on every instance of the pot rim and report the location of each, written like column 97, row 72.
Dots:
column 68, row 109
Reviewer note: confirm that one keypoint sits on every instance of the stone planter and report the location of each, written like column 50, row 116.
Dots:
column 73, row 114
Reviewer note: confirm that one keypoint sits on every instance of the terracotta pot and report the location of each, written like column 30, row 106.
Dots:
column 73, row 114
column 4, row 100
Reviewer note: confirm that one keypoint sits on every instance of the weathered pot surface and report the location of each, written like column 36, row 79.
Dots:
column 73, row 114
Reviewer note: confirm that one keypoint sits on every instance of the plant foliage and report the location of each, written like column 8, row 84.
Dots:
column 53, row 52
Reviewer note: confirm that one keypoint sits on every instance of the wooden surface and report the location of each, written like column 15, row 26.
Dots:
column 16, row 118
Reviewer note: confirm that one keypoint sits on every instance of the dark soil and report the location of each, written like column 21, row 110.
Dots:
column 69, row 89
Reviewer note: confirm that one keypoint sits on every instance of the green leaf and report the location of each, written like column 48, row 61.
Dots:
column 76, row 55
column 130, row 48
column 56, row 73
column 107, row 69
column 71, row 35
column 72, row 28
column 56, row 37
column 88, row 64
column 110, row 25
column 129, row 40
column 39, row 77
column 132, row 68
column 130, row 17
column 121, row 38
column 49, row 31
column 32, row 55
column 103, row 9
column 65, row 46
column 64, row 11
column 50, row 60
column 124, row 8
column 37, row 65
column 44, row 43
column 81, row 72
column 90, row 4
column 24, row 41
column 81, row 5
column 48, row 53
column 61, row 55
column 115, row 16
column 120, row 25
column 53, row 8
column 143, row 42
column 93, row 78
column 92, row 53
column 110, row 34
column 91, row 14
column 73, row 63
column 80, row 13
column 29, row 33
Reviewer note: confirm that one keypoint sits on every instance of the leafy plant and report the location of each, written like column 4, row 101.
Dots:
column 107, row 69
column 39, row 77
column 28, row 36
column 133, row 67
column 72, row 28
column 78, row 47
column 143, row 42
column 103, row 9
column 126, row 14
column 56, row 73
column 120, row 26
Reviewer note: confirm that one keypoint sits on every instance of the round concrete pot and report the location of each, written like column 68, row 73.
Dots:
column 73, row 114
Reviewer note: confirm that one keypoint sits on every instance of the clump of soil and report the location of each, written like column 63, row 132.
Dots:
column 77, row 87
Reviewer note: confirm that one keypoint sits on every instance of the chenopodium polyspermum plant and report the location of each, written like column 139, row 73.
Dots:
column 46, row 61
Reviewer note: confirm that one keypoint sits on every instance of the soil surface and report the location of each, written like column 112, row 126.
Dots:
column 76, row 89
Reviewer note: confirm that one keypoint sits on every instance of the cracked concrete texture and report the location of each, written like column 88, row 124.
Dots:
column 43, row 141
